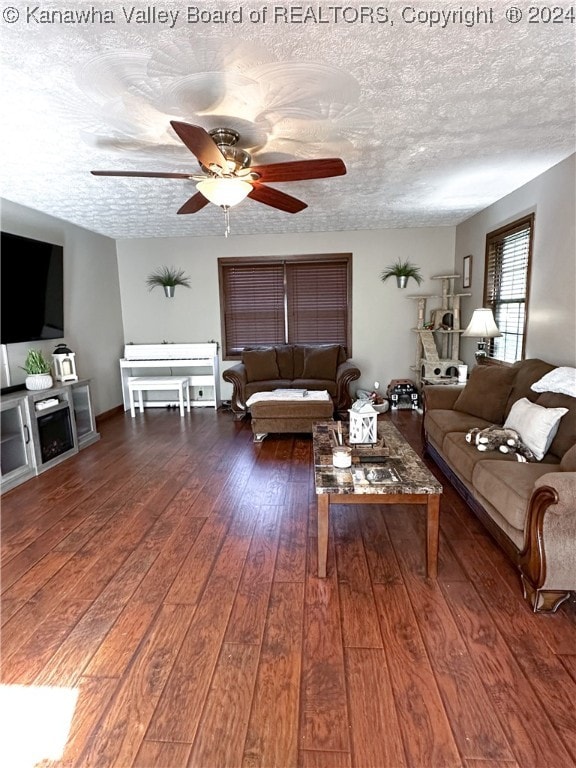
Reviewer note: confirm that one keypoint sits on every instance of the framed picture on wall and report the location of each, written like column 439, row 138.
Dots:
column 467, row 272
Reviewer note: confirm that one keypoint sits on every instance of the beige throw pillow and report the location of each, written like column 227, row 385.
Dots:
column 535, row 424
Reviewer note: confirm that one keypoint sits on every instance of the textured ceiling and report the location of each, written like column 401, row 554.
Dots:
column 433, row 121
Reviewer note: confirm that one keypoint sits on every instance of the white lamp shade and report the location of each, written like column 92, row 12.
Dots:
column 482, row 325
column 224, row 192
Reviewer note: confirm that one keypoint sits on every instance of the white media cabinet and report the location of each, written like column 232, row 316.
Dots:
column 197, row 361
column 24, row 453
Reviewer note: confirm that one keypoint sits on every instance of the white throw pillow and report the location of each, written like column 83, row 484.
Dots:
column 562, row 380
column 535, row 424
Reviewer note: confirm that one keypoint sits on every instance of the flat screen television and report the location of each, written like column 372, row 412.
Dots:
column 32, row 288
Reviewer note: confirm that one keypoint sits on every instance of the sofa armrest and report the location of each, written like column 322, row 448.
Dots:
column 440, row 396
column 346, row 373
column 236, row 375
column 548, row 559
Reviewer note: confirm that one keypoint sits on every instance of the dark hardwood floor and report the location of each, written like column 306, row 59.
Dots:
column 163, row 584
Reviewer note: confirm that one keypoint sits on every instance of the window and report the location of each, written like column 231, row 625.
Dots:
column 289, row 300
column 506, row 286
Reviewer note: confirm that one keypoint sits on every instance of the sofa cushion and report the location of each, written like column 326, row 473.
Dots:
column 508, row 486
column 298, row 357
column 320, row 362
column 535, row 424
column 299, row 354
column 566, row 435
column 440, row 396
column 439, row 421
column 463, row 457
column 568, row 463
column 251, row 387
column 285, row 360
column 260, row 364
column 527, row 372
column 487, row 392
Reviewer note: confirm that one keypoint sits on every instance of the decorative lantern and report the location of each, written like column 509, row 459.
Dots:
column 363, row 423
column 64, row 363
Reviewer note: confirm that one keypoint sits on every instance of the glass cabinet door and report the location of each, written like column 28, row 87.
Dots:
column 16, row 460
column 84, row 413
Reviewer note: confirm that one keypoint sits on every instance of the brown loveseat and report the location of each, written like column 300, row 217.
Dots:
column 292, row 366
column 530, row 508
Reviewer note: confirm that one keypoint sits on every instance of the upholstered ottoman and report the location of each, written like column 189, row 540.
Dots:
column 286, row 412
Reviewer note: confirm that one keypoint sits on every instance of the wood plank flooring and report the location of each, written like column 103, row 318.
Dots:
column 162, row 586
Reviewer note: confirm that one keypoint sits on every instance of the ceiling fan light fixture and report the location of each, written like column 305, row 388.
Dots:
column 236, row 159
column 229, row 178
column 225, row 192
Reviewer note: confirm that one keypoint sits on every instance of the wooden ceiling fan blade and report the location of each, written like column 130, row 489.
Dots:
column 276, row 199
column 194, row 204
column 144, row 174
column 200, row 143
column 298, row 170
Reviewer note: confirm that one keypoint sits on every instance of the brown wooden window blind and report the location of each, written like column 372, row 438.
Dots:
column 506, row 286
column 295, row 299
column 317, row 296
column 253, row 305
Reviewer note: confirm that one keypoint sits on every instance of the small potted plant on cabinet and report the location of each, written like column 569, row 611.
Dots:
column 402, row 271
column 38, row 370
column 168, row 278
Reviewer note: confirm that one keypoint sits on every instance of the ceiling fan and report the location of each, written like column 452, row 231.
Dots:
column 229, row 177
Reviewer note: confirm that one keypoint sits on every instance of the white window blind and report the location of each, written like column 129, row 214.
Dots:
column 508, row 253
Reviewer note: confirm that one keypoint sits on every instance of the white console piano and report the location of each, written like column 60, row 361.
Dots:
column 197, row 361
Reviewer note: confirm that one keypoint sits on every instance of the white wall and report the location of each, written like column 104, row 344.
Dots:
column 551, row 331
column 92, row 308
column 108, row 303
column 383, row 344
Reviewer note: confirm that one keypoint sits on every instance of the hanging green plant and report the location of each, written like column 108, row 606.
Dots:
column 402, row 271
column 168, row 278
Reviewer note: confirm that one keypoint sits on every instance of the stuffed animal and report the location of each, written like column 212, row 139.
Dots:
column 498, row 438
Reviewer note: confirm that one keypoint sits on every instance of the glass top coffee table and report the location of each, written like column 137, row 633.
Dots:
column 390, row 472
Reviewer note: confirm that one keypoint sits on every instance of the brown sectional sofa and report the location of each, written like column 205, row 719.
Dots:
column 292, row 366
column 530, row 508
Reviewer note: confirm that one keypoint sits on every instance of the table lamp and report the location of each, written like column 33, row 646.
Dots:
column 482, row 326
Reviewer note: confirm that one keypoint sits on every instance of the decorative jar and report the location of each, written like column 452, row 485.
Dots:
column 341, row 456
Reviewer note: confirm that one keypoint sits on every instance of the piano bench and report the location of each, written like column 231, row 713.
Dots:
column 139, row 384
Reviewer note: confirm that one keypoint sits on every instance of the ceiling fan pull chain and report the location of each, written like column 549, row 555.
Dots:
column 226, row 209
